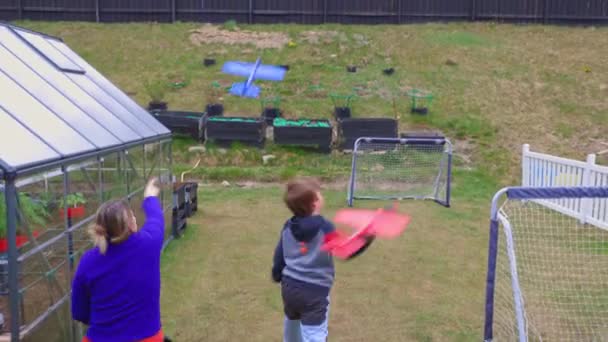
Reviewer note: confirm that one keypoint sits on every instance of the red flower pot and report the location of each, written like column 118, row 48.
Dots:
column 73, row 212
column 21, row 240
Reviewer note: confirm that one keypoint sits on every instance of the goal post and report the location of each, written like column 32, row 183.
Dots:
column 401, row 168
column 547, row 275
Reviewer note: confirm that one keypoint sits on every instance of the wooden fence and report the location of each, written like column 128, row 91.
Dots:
column 309, row 11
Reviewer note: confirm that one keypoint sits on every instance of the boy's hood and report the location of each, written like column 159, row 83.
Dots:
column 306, row 228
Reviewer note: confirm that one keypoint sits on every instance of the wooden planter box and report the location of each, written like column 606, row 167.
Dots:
column 352, row 129
column 187, row 123
column 227, row 130
column 304, row 132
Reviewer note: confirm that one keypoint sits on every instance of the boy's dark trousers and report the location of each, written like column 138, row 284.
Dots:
column 306, row 308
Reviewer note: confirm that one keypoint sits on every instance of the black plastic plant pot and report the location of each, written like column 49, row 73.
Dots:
column 180, row 122
column 209, row 62
column 214, row 109
column 352, row 129
column 157, row 105
column 224, row 130
column 269, row 114
column 312, row 133
column 192, row 197
column 285, row 66
column 420, row 110
column 388, row 71
column 351, row 68
column 341, row 113
column 179, row 209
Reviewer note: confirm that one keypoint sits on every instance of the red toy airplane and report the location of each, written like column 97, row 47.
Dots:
column 368, row 224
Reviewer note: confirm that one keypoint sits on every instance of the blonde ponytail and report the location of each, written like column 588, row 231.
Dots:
column 99, row 236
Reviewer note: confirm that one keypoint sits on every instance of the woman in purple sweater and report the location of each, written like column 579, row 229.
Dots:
column 116, row 289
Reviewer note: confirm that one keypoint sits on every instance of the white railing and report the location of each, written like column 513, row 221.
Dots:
column 543, row 170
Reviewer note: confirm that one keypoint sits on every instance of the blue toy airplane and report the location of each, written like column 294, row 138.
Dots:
column 254, row 71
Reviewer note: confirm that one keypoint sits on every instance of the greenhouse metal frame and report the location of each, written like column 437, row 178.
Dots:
column 69, row 140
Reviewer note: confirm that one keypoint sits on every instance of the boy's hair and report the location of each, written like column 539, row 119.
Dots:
column 300, row 195
column 111, row 224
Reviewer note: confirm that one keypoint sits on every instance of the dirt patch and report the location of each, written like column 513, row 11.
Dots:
column 209, row 34
column 322, row 37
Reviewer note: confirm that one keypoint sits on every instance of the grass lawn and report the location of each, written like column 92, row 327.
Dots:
column 510, row 85
column 428, row 285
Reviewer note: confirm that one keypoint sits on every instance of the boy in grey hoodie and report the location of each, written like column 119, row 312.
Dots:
column 306, row 273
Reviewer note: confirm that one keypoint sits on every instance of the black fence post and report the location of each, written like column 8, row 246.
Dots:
column 250, row 18
column 325, row 11
column 473, row 10
column 545, row 10
column 97, row 15
column 20, row 9
column 399, row 6
column 173, row 14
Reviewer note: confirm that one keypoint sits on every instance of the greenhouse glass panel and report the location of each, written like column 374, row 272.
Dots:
column 152, row 155
column 49, row 52
column 44, row 267
column 40, row 120
column 135, row 165
column 114, row 177
column 84, row 192
column 54, row 328
column 111, row 89
column 55, row 101
column 31, row 148
column 68, row 88
column 109, row 103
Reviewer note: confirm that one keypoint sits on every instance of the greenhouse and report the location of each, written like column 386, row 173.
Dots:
column 69, row 140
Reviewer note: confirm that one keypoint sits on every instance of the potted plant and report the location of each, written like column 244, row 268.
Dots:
column 75, row 205
column 421, row 101
column 33, row 212
column 270, row 109
column 214, row 96
column 342, row 105
column 388, row 71
column 209, row 61
column 156, row 91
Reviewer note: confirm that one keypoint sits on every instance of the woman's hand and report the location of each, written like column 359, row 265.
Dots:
column 152, row 189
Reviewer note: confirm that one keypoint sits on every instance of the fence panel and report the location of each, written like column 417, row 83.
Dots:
column 543, row 170
column 82, row 10
column 421, row 10
column 591, row 11
column 281, row 11
column 135, row 10
column 310, row 11
column 9, row 10
column 363, row 11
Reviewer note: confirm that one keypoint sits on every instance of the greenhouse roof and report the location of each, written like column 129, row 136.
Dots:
column 54, row 105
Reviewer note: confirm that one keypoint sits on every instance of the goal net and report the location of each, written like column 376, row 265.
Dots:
column 547, row 274
column 407, row 168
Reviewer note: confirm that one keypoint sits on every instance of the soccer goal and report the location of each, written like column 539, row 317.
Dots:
column 406, row 168
column 547, row 276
